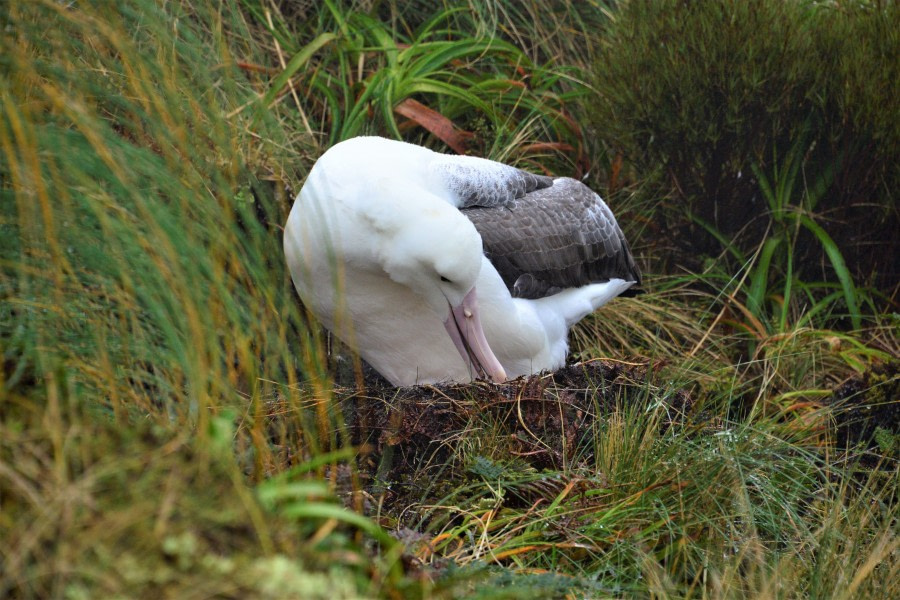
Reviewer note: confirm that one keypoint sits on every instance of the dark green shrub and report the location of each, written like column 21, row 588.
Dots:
column 700, row 96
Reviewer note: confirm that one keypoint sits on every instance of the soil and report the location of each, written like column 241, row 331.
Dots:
column 867, row 413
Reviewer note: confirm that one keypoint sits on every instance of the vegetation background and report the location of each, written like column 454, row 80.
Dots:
column 170, row 424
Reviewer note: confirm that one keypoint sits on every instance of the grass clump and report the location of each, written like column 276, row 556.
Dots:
column 92, row 508
column 390, row 70
column 128, row 198
column 144, row 313
column 628, row 488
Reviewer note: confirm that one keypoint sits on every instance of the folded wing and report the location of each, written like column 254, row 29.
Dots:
column 553, row 238
column 477, row 181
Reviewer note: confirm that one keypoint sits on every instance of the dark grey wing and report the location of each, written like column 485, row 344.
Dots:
column 480, row 182
column 554, row 238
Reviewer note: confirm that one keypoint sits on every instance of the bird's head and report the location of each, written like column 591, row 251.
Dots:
column 438, row 254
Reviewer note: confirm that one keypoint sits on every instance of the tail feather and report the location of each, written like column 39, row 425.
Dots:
column 576, row 303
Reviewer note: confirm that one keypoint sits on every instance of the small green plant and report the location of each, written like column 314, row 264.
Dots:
column 789, row 217
column 776, row 296
column 360, row 77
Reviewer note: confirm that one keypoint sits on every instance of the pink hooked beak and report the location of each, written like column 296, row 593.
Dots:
column 464, row 326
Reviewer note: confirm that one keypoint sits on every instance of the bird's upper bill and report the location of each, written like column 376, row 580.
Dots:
column 464, row 326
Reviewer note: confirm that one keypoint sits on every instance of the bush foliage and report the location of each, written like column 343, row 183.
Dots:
column 698, row 95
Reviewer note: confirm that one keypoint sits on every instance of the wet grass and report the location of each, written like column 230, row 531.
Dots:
column 169, row 421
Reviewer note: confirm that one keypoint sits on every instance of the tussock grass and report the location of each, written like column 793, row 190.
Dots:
column 645, row 496
column 143, row 281
column 168, row 422
column 92, row 508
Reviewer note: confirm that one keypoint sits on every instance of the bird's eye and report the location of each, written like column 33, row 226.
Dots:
column 444, row 279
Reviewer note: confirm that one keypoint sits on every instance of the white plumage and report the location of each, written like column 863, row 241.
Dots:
column 386, row 245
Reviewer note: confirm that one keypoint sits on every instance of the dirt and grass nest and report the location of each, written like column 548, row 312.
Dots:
column 412, row 436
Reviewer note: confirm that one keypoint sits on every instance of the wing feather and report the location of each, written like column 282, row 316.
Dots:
column 553, row 238
column 477, row 181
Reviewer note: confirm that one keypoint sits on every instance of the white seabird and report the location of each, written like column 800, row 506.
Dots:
column 440, row 268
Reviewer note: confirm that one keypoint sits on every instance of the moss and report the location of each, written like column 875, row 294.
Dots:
column 867, row 410
column 888, row 442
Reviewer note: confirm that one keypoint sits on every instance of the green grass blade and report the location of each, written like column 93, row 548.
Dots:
column 839, row 266
column 321, row 510
column 728, row 244
column 761, row 277
column 296, row 62
column 765, row 187
column 788, row 286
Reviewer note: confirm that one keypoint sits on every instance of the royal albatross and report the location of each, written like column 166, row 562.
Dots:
column 440, row 268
